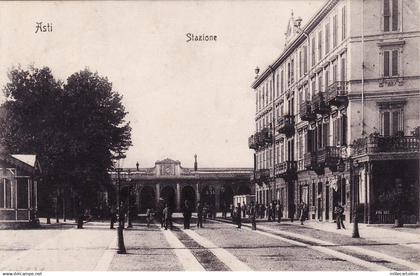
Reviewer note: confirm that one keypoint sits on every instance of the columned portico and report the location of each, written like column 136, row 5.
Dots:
column 173, row 183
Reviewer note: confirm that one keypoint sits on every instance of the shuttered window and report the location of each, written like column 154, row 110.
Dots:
column 343, row 23
column 305, row 59
column 386, row 63
column 390, row 15
column 395, row 62
column 386, row 15
column 327, row 38
column 334, row 31
column 386, row 123
column 391, row 60
column 394, row 15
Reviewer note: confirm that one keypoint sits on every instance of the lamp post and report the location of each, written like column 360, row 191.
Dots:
column 355, row 233
column 121, row 246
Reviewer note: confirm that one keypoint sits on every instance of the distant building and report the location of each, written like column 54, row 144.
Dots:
column 337, row 113
column 18, row 188
column 169, row 182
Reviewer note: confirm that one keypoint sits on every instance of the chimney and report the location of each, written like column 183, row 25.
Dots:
column 195, row 162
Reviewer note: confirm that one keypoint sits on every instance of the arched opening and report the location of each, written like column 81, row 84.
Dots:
column 147, row 199
column 208, row 196
column 168, row 195
column 244, row 189
column 188, row 193
column 226, row 196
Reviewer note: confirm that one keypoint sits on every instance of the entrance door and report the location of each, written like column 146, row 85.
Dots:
column 147, row 199
column 168, row 195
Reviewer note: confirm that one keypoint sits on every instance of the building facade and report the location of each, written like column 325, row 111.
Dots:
column 337, row 117
column 168, row 181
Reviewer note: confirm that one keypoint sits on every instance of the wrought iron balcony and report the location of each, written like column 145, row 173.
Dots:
column 286, row 169
column 309, row 160
column 319, row 104
column 337, row 93
column 266, row 136
column 306, row 113
column 328, row 157
column 262, row 175
column 252, row 142
column 287, row 125
column 382, row 144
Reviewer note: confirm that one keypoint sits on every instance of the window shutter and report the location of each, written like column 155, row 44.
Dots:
column 386, row 63
column 395, row 63
column 334, row 31
column 395, row 122
column 394, row 15
column 386, row 123
column 344, row 130
column 305, row 59
column 343, row 25
column 386, row 15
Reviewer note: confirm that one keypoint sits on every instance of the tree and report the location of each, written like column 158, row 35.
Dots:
column 76, row 129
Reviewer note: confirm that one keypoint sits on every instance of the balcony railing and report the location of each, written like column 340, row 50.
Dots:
column 309, row 160
column 266, row 136
column 319, row 104
column 286, row 168
column 262, row 175
column 252, row 142
column 287, row 125
column 328, row 156
column 337, row 93
column 378, row 144
column 306, row 113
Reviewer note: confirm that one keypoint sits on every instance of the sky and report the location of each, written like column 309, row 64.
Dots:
column 183, row 98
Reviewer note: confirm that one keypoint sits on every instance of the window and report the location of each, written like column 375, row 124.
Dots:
column 305, row 59
column 343, row 23
column 340, row 131
column 292, row 70
column 327, row 38
column 391, row 122
column 2, row 199
column 390, row 63
column 334, row 72
column 288, row 73
column 320, row 82
column 390, row 15
column 327, row 76
column 6, row 194
column 313, row 51
column 334, row 31
column 343, row 69
column 300, row 146
column 282, row 82
column 320, row 45
column 22, row 193
column 277, row 90
column 300, row 63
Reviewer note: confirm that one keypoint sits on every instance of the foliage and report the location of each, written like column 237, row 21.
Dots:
column 76, row 129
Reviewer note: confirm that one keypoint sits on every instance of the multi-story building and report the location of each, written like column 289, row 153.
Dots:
column 337, row 113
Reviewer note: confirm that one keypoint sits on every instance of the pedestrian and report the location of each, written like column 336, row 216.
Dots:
column 252, row 216
column 238, row 215
column 270, row 210
column 205, row 211
column 273, row 212
column 292, row 210
column 167, row 217
column 302, row 212
column 231, row 210
column 148, row 216
column 113, row 218
column 339, row 211
column 199, row 215
column 262, row 207
column 243, row 208
column 278, row 211
column 187, row 212
column 258, row 210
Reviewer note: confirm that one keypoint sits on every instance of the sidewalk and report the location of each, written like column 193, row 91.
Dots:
column 380, row 234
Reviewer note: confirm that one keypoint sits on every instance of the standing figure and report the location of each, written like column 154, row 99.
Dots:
column 302, row 212
column 273, row 212
column 292, row 210
column 148, row 216
column 167, row 217
column 339, row 211
column 238, row 215
column 187, row 212
column 270, row 211
column 231, row 210
column 252, row 216
column 243, row 208
column 262, row 208
column 199, row 215
column 279, row 211
column 113, row 217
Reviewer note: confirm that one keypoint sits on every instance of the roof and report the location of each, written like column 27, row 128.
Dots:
column 29, row 159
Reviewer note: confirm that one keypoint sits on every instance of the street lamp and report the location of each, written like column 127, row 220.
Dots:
column 355, row 233
column 121, row 246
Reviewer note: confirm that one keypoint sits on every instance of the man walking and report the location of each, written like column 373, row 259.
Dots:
column 238, row 214
column 292, row 210
column 279, row 211
column 302, row 208
column 187, row 212
column 167, row 217
column 252, row 216
column 339, row 211
column 273, row 212
column 199, row 215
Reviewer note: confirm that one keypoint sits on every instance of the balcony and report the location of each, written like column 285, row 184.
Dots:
column 265, row 137
column 309, row 160
column 337, row 93
column 328, row 157
column 385, row 144
column 287, row 125
column 306, row 113
column 286, row 169
column 252, row 142
column 262, row 175
column 319, row 104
